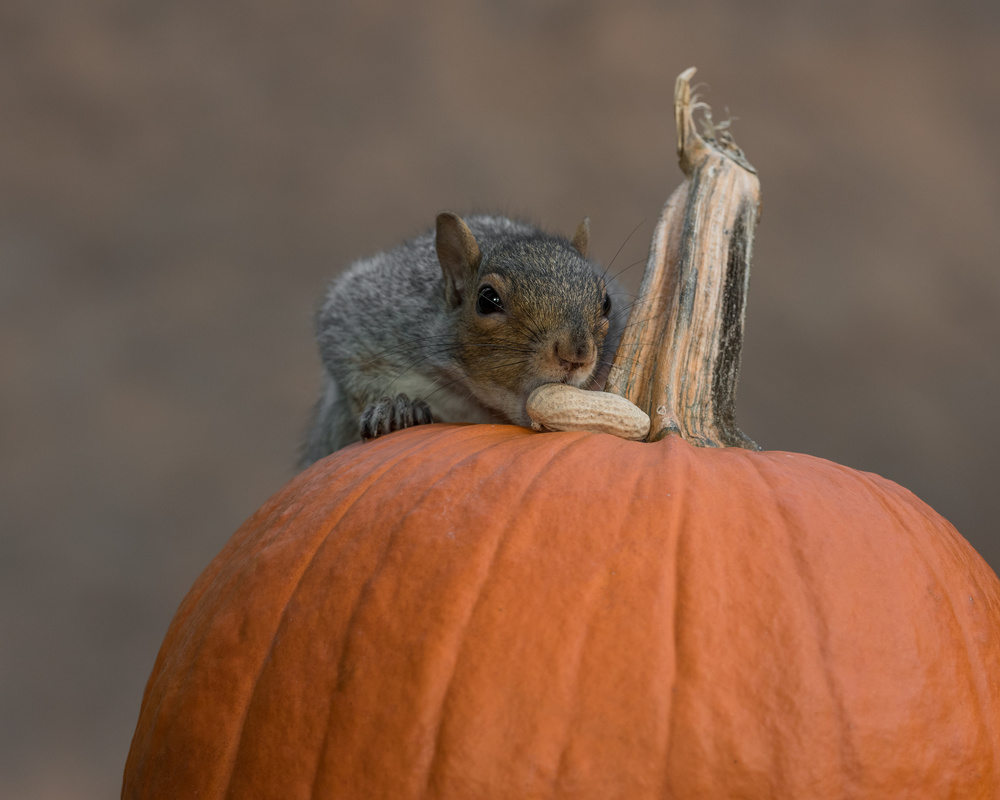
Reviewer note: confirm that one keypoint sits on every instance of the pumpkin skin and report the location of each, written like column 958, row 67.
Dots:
column 484, row 612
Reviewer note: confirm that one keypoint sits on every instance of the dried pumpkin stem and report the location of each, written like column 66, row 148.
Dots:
column 679, row 359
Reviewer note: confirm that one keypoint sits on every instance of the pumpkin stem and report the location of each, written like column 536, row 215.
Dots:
column 679, row 359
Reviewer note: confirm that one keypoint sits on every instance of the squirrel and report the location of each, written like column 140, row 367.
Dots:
column 460, row 324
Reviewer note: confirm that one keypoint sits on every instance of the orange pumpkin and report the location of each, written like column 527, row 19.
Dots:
column 484, row 612
column 480, row 611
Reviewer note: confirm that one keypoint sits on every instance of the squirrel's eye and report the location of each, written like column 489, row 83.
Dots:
column 489, row 301
column 606, row 308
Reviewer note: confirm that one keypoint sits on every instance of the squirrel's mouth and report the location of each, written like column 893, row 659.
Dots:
column 512, row 401
column 580, row 377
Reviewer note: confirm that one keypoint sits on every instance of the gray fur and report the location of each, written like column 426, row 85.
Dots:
column 385, row 328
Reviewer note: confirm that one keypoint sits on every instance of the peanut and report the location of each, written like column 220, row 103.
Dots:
column 560, row 407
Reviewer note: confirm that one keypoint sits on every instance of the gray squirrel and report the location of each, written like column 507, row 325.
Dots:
column 460, row 324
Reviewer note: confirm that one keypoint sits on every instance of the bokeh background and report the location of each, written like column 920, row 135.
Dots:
column 178, row 182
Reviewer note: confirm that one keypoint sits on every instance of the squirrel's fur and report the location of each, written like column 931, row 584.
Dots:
column 420, row 321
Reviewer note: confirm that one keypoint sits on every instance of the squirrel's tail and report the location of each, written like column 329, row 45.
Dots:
column 333, row 426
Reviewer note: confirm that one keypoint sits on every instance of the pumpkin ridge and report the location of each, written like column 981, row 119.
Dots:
column 231, row 585
column 181, row 636
column 984, row 696
column 749, row 469
column 466, row 442
column 669, row 578
column 577, row 660
column 957, row 545
column 428, row 437
column 790, row 527
column 367, row 480
column 237, row 749
column 585, row 606
column 502, row 538
column 679, row 509
column 683, row 458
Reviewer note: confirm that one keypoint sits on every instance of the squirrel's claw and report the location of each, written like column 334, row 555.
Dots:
column 388, row 414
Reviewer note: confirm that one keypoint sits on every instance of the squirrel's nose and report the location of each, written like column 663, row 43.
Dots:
column 575, row 352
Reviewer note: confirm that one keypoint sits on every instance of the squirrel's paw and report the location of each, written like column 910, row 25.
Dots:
column 388, row 414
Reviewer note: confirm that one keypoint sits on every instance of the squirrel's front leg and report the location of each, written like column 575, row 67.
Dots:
column 388, row 414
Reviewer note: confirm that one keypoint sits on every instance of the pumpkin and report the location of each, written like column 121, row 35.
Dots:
column 479, row 611
column 485, row 612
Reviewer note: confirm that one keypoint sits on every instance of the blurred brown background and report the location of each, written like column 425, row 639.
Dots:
column 179, row 180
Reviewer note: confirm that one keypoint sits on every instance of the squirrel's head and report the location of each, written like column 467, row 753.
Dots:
column 529, row 309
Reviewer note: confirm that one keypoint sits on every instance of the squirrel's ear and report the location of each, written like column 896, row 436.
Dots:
column 581, row 239
column 458, row 253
